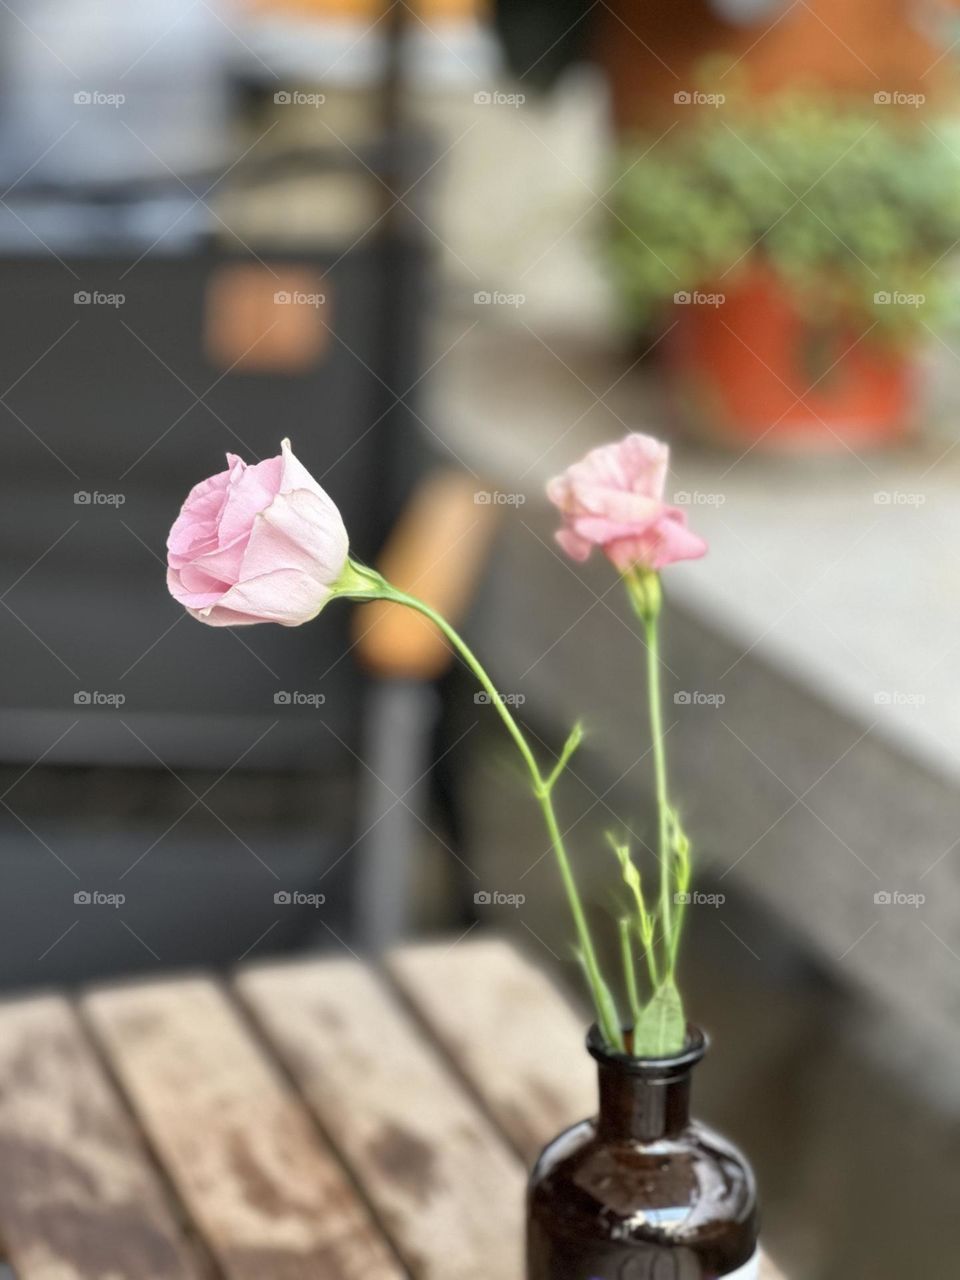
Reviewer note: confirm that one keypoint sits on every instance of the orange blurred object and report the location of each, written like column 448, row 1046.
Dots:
column 437, row 551
column 758, row 370
column 261, row 319
column 355, row 9
column 650, row 49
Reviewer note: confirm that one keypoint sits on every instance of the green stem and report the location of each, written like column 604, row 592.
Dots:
column 650, row 950
column 680, row 850
column 542, row 789
column 650, row 622
column 645, row 927
column 629, row 972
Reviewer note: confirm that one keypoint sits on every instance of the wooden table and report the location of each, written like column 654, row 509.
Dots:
column 307, row 1121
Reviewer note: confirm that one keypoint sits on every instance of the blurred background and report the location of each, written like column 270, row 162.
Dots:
column 448, row 246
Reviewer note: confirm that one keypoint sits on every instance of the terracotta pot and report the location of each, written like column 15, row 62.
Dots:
column 653, row 50
column 755, row 369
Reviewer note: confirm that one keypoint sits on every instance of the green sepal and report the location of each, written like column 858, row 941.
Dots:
column 359, row 582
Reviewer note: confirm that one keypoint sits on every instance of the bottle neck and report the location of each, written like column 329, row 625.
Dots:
column 642, row 1106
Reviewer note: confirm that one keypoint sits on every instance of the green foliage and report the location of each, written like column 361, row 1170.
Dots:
column 843, row 202
column 660, row 1029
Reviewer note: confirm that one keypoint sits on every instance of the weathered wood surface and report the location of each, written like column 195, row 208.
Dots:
column 79, row 1198
column 426, row 1100
column 508, row 1030
column 511, row 1034
column 768, row 1271
column 442, row 1181
column 266, row 1193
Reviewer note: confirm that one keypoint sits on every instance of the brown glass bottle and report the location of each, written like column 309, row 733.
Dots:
column 642, row 1192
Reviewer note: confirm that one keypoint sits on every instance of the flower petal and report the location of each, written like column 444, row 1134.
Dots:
column 286, row 596
column 613, row 498
column 577, row 548
column 251, row 491
column 196, row 525
column 187, row 596
column 256, row 544
column 299, row 530
column 662, row 544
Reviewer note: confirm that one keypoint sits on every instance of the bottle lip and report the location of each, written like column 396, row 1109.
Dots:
column 674, row 1064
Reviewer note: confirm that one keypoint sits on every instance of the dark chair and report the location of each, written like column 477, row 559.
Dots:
column 122, row 708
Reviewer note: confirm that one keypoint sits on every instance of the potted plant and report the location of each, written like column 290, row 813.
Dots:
column 793, row 250
column 640, row 1190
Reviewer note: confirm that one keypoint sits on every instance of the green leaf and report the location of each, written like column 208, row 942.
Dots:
column 661, row 1029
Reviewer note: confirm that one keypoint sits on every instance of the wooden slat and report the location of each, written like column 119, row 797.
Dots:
column 510, row 1033
column 443, row 1182
column 768, row 1271
column 264, row 1190
column 79, row 1199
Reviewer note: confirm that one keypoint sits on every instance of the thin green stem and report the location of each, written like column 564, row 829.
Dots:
column 468, row 656
column 629, row 971
column 650, row 949
column 650, row 952
column 651, row 626
column 645, row 925
column 542, row 789
column 680, row 850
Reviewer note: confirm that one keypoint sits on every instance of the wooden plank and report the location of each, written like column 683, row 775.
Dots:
column 266, row 1193
column 508, row 1030
column 79, row 1199
column 510, row 1033
column 768, row 1271
column 442, row 1181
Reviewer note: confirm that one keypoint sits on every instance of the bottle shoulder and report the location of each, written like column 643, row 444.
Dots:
column 678, row 1187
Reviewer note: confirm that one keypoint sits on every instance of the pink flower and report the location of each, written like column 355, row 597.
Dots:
column 256, row 544
column 613, row 498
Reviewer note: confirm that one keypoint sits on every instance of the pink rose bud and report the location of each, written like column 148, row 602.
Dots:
column 257, row 544
column 613, row 498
